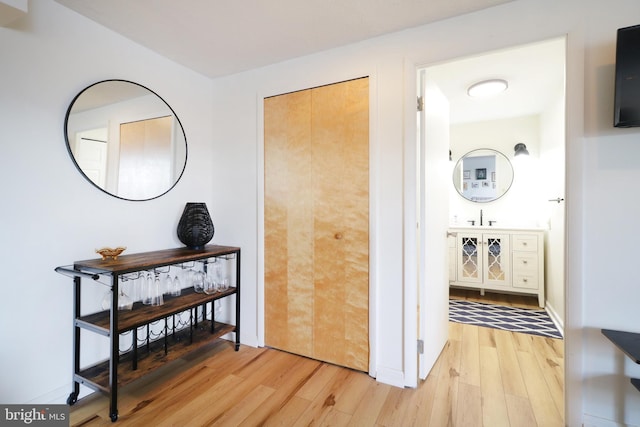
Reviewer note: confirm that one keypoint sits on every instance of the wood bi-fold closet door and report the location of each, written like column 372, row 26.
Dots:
column 317, row 223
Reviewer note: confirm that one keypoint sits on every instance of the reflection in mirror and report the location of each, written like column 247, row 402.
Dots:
column 483, row 175
column 126, row 140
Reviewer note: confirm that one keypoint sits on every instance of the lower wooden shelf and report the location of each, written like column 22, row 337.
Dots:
column 143, row 314
column 151, row 356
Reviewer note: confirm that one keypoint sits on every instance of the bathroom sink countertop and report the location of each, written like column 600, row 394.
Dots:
column 495, row 227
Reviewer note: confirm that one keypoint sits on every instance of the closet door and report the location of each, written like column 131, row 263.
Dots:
column 145, row 150
column 317, row 223
column 288, row 224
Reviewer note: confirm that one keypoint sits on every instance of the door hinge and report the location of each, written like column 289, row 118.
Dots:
column 420, row 347
column 420, row 103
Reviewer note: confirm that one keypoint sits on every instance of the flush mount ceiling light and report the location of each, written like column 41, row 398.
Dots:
column 520, row 149
column 487, row 88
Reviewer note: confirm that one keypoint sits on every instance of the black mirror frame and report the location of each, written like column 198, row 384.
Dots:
column 66, row 137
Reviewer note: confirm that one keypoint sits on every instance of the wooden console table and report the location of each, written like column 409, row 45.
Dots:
column 149, row 353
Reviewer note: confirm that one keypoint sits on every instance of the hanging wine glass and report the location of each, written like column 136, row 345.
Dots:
column 168, row 284
column 147, row 289
column 106, row 300
column 124, row 302
column 157, row 298
column 136, row 287
column 177, row 287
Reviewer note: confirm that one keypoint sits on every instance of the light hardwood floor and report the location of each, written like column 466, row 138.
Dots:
column 484, row 377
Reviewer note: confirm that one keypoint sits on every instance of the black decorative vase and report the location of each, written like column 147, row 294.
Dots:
column 195, row 228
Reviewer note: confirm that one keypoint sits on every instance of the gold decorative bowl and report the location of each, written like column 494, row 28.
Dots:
column 110, row 253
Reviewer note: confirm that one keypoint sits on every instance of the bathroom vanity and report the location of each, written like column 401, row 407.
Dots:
column 509, row 260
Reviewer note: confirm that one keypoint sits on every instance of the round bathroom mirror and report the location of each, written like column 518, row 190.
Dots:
column 126, row 140
column 483, row 175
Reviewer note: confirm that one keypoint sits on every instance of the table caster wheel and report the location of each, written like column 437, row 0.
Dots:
column 73, row 398
column 114, row 417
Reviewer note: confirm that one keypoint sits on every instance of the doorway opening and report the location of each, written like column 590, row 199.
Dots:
column 530, row 111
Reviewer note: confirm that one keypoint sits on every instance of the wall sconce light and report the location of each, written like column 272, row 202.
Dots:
column 487, row 88
column 520, row 148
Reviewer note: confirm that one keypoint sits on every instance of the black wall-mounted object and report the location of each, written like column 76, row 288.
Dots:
column 627, row 86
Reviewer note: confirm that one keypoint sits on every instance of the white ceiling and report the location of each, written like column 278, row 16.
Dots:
column 535, row 74
column 217, row 38
column 220, row 37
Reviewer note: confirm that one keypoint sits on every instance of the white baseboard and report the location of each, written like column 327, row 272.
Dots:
column 59, row 395
column 591, row 421
column 553, row 314
column 390, row 376
column 56, row 396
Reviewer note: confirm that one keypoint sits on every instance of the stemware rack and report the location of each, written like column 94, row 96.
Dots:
column 184, row 322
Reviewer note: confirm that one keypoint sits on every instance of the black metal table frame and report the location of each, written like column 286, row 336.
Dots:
column 114, row 338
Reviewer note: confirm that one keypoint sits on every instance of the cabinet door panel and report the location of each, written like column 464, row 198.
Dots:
column 496, row 259
column 470, row 258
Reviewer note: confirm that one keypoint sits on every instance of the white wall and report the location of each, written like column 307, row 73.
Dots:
column 610, row 298
column 50, row 214
column 520, row 206
column 392, row 62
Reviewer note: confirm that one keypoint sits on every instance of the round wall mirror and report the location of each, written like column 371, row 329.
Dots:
column 483, row 175
column 126, row 140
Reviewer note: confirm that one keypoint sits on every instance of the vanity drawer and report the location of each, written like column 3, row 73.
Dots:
column 525, row 270
column 524, row 242
column 524, row 262
column 527, row 280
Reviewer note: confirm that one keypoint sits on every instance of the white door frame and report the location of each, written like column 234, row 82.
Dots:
column 414, row 282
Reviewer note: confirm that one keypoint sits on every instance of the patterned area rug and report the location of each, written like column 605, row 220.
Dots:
column 528, row 321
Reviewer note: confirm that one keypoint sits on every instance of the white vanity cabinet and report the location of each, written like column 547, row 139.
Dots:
column 498, row 259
